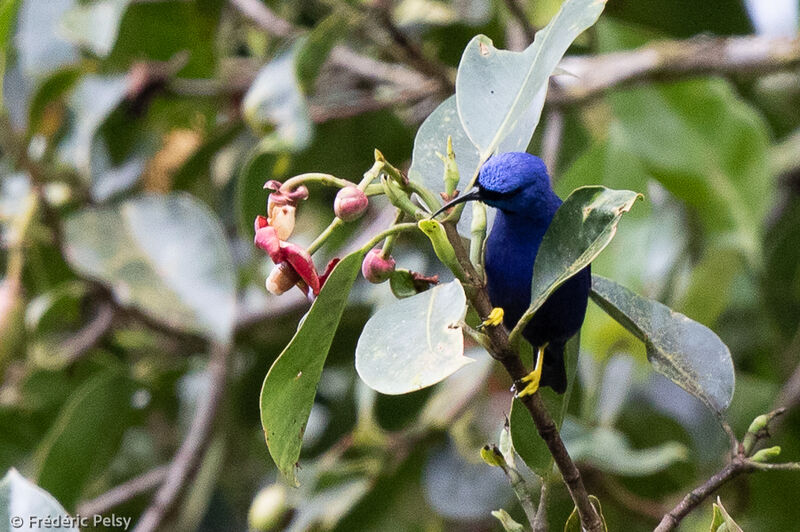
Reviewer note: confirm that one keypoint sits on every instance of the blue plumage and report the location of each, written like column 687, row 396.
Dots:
column 518, row 186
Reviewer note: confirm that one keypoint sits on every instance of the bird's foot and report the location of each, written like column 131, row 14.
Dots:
column 495, row 318
column 534, row 377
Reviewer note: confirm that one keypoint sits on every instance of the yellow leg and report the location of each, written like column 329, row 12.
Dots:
column 495, row 318
column 534, row 376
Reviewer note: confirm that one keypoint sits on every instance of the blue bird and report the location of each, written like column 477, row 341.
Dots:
column 517, row 185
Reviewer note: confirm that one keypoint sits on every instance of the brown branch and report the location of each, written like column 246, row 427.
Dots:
column 186, row 460
column 90, row 334
column 671, row 520
column 670, row 60
column 124, row 492
column 258, row 12
column 410, row 52
column 521, row 18
column 510, row 359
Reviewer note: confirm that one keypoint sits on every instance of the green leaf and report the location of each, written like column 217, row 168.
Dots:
column 431, row 141
column 525, row 438
column 22, row 499
column 94, row 26
column 500, row 94
column 84, row 437
column 573, row 523
column 414, row 342
column 508, row 523
column 291, row 384
column 91, row 102
column 316, row 46
column 708, row 148
column 275, row 107
column 686, row 352
column 165, row 255
column 8, row 10
column 721, row 521
column 581, row 228
column 38, row 41
column 608, row 450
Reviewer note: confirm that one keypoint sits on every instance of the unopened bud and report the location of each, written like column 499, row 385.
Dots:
column 268, row 508
column 375, row 268
column 492, row 456
column 282, row 278
column 350, row 203
column 281, row 217
column 765, row 455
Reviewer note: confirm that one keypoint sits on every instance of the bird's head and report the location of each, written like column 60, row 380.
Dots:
column 513, row 182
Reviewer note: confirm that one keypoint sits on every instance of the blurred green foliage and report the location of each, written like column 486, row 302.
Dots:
column 105, row 123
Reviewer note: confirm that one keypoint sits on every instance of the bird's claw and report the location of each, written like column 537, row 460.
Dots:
column 495, row 318
column 534, row 377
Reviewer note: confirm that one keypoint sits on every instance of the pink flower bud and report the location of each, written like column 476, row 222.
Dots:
column 350, row 203
column 375, row 268
column 282, row 278
column 281, row 217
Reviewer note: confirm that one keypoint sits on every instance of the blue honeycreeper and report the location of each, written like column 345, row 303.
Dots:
column 518, row 186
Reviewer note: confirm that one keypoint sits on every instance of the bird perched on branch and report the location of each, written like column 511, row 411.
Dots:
column 517, row 185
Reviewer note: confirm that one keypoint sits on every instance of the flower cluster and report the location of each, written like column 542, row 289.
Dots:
column 293, row 264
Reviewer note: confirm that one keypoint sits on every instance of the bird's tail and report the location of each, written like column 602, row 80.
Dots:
column 554, row 374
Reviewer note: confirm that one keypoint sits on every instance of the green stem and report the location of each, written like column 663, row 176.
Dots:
column 389, row 243
column 397, row 228
column 323, row 236
column 522, row 492
column 315, row 177
column 428, row 198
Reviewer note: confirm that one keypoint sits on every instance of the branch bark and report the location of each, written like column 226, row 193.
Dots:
column 511, row 361
column 185, row 462
column 124, row 492
column 671, row 60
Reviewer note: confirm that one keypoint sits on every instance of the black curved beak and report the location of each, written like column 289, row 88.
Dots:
column 471, row 195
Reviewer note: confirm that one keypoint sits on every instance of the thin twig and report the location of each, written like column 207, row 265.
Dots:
column 186, row 460
column 519, row 15
column 410, row 51
column 539, row 523
column 671, row 520
column 551, row 140
column 124, row 492
column 671, row 60
column 258, row 12
column 738, row 465
column 90, row 334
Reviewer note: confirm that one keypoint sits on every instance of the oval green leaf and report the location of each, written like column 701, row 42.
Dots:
column 496, row 89
column 164, row 255
column 291, row 384
column 415, row 342
column 690, row 354
column 581, row 228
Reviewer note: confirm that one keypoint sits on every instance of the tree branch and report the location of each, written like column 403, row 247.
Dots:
column 124, row 492
column 670, row 60
column 503, row 352
column 186, row 460
column 521, row 18
column 696, row 496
